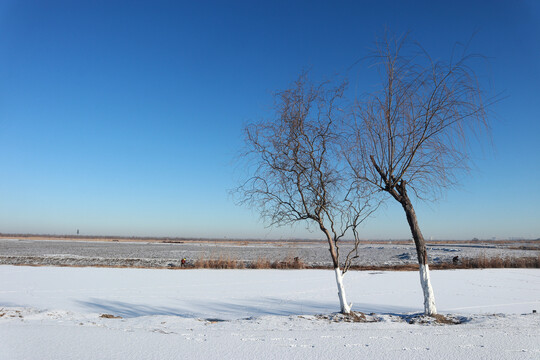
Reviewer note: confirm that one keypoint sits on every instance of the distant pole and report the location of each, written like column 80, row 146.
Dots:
column 77, row 231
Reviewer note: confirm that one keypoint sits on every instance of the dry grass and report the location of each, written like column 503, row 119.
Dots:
column 353, row 316
column 291, row 262
column 109, row 316
column 483, row 262
column 437, row 319
column 261, row 263
column 222, row 262
column 226, row 262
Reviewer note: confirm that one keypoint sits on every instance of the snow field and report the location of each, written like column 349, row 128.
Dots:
column 271, row 314
column 87, row 253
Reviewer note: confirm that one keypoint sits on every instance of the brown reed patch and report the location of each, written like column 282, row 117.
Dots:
column 261, row 263
column 290, row 262
column 222, row 262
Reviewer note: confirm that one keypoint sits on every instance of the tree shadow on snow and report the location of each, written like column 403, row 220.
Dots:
column 129, row 310
column 226, row 309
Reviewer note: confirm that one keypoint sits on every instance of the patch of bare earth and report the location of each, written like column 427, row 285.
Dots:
column 109, row 316
column 11, row 313
column 437, row 319
column 353, row 316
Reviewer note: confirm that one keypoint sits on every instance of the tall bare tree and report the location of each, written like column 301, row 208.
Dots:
column 298, row 173
column 411, row 137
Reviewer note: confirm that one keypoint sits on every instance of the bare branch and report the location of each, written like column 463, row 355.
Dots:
column 299, row 171
column 414, row 133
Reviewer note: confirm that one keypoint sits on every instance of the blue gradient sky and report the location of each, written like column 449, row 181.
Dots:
column 125, row 117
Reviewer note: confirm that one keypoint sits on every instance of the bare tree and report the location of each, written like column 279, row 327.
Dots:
column 298, row 173
column 411, row 138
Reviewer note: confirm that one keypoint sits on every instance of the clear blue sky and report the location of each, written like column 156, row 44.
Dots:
column 125, row 117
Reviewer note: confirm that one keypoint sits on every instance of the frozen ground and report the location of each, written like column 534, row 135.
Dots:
column 55, row 313
column 152, row 254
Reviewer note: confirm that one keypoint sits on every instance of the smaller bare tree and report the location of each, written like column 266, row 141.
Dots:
column 412, row 136
column 297, row 172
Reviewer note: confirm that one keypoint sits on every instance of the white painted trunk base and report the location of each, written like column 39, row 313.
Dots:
column 429, row 297
column 345, row 307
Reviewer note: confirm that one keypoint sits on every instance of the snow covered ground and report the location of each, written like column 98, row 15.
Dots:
column 56, row 313
column 154, row 254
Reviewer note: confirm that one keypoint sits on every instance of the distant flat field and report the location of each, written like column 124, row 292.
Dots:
column 520, row 243
column 157, row 253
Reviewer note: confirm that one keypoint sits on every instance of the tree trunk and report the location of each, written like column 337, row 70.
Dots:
column 421, row 252
column 345, row 307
